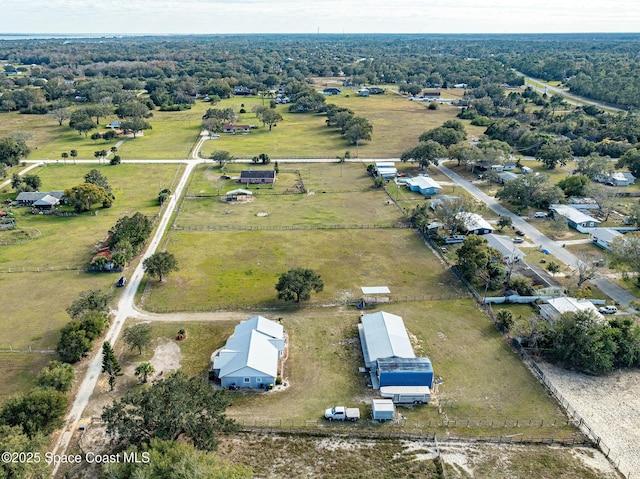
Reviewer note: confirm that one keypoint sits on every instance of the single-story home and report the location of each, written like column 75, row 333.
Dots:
column 424, row 184
column 29, row 198
column 617, row 179
column 583, row 203
column 258, row 176
column 509, row 166
column 332, row 91
column 510, row 252
column 526, row 169
column 604, row 236
column 241, row 90
column 474, row 224
column 116, row 124
column 506, row 176
column 47, row 202
column 251, row 356
column 576, row 218
column 233, row 128
column 553, row 308
column 374, row 90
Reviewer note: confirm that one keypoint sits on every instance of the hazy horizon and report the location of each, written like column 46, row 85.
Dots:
column 202, row 17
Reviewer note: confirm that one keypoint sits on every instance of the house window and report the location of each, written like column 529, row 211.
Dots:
column 258, row 380
column 247, row 380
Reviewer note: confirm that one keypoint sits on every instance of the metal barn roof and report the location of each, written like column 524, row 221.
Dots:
column 404, row 365
column 383, row 336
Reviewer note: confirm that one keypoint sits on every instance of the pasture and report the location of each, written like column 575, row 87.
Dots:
column 42, row 274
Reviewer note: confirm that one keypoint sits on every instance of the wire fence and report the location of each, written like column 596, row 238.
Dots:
column 577, row 419
column 288, row 227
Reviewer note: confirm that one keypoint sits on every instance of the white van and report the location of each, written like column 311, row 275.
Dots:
column 540, row 214
column 608, row 309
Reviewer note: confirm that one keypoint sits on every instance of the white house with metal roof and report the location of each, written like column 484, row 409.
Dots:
column 509, row 251
column 251, row 355
column 475, row 224
column 576, row 219
column 604, row 236
column 553, row 308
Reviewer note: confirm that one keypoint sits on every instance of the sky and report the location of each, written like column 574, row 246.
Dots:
column 313, row 16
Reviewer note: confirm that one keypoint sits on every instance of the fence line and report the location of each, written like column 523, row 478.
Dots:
column 42, row 270
column 289, row 227
column 29, row 350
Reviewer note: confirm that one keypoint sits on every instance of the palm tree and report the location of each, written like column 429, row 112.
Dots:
column 145, row 370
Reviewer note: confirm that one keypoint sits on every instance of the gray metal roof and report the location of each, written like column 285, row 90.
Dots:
column 375, row 290
column 384, row 336
column 404, row 364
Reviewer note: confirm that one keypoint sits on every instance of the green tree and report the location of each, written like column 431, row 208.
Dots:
column 56, row 375
column 553, row 267
column 170, row 459
column 358, row 129
column 110, row 364
column 60, row 114
column 554, row 152
column 574, row 185
column 13, row 439
column 465, row 154
column 73, row 344
column 625, row 253
column 222, row 157
column 426, row 153
column 144, row 370
column 95, row 177
column 521, row 284
column 160, row 264
column 504, row 317
column 269, row 117
column 131, row 233
column 164, row 195
column 594, row 166
column 135, row 125
column 33, row 181
column 475, row 258
column 298, row 283
column 445, row 136
column 530, row 190
column 39, row 411
column 89, row 300
column 504, row 222
column 176, row 407
column 12, row 150
column 138, row 337
column 82, row 123
column 73, row 153
column 631, row 160
column 85, row 196
column 558, row 225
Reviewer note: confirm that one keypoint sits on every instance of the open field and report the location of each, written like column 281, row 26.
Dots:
column 47, row 271
column 134, row 192
column 239, row 269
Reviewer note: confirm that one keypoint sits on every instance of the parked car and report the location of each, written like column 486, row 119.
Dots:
column 540, row 214
column 520, row 232
column 341, row 413
column 121, row 282
column 608, row 309
column 517, row 240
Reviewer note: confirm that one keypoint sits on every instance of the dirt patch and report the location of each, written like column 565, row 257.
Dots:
column 610, row 405
column 166, row 357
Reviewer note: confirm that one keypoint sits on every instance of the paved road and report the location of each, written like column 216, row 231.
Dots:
column 611, row 289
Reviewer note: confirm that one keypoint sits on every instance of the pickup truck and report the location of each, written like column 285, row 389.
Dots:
column 341, row 413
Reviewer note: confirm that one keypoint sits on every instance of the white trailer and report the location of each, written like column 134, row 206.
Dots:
column 406, row 394
column 383, row 410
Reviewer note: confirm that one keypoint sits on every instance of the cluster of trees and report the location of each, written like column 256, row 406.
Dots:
column 298, row 283
column 353, row 128
column 582, row 341
column 530, row 191
column 214, row 118
column 89, row 319
column 128, row 237
column 26, row 420
column 435, row 144
column 94, row 190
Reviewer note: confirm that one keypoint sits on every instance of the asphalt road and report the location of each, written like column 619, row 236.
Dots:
column 615, row 292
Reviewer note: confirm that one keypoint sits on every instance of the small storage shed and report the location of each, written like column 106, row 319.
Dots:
column 383, row 409
column 404, row 371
